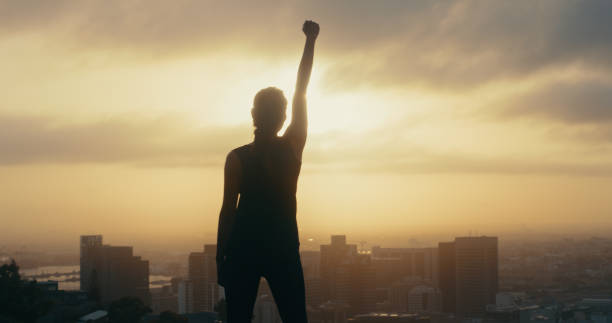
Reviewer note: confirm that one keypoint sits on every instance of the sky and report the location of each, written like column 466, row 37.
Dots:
column 425, row 117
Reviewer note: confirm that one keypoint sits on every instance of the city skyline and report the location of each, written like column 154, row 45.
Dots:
column 340, row 279
column 532, row 281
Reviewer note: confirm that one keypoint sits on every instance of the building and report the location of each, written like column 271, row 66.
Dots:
column 311, row 262
column 110, row 272
column 203, row 277
column 48, row 286
column 347, row 277
column 185, row 296
column 67, row 304
column 314, row 295
column 330, row 312
column 164, row 299
column 393, row 264
column 265, row 310
column 414, row 295
column 389, row 317
column 476, row 263
column 469, row 268
column 87, row 247
column 593, row 310
column 423, row 298
column 446, row 275
column 332, row 256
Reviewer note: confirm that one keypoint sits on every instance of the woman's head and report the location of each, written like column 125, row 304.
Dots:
column 269, row 111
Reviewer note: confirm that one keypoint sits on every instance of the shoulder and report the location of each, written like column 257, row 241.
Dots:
column 240, row 152
column 232, row 157
column 235, row 156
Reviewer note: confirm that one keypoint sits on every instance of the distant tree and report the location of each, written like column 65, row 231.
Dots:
column 127, row 310
column 171, row 317
column 20, row 300
column 221, row 309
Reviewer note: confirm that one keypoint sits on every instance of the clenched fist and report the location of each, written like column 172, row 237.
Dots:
column 310, row 29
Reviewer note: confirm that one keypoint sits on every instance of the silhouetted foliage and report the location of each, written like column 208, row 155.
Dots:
column 127, row 310
column 20, row 300
column 171, row 317
column 221, row 308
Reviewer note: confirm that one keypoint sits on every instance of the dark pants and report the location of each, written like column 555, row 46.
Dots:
column 285, row 277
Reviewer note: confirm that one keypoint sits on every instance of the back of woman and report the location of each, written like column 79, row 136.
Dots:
column 266, row 213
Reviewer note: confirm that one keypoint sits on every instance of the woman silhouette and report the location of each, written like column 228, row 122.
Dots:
column 258, row 235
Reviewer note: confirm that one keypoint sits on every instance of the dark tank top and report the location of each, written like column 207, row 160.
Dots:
column 266, row 215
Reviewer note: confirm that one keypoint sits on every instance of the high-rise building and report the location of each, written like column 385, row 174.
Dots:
column 311, row 261
column 185, row 296
column 394, row 264
column 476, row 265
column 361, row 284
column 475, row 262
column 347, row 277
column 110, row 272
column 203, row 277
column 446, row 280
column 88, row 246
column 332, row 256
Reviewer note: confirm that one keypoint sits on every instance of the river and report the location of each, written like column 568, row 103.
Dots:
column 68, row 276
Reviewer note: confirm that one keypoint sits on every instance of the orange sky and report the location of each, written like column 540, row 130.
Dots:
column 425, row 116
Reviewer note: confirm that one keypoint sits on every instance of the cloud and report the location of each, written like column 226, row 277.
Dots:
column 167, row 142
column 586, row 102
column 156, row 28
column 451, row 45
column 162, row 142
column 458, row 45
column 474, row 165
column 384, row 151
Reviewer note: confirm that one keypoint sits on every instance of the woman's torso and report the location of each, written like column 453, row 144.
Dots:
column 266, row 214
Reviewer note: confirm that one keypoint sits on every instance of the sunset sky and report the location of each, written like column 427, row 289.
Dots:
column 425, row 116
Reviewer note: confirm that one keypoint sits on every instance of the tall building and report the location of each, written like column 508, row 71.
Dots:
column 110, row 272
column 203, row 277
column 362, row 284
column 88, row 246
column 311, row 261
column 347, row 277
column 476, row 265
column 332, row 256
column 446, row 280
column 475, row 262
column 185, row 296
column 394, row 264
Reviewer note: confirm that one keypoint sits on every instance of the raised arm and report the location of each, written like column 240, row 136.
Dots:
column 297, row 130
column 231, row 188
